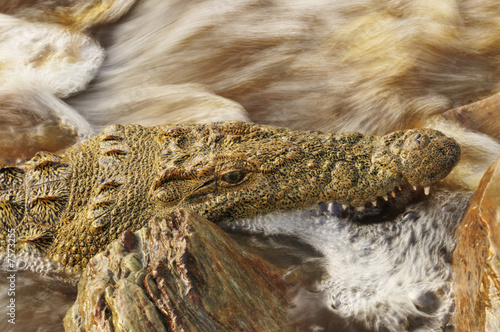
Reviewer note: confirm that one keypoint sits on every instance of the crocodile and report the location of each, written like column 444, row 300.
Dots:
column 68, row 207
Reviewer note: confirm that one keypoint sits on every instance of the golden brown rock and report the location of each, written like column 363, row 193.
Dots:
column 476, row 265
column 481, row 116
column 183, row 273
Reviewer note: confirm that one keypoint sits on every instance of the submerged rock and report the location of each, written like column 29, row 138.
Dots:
column 182, row 273
column 476, row 264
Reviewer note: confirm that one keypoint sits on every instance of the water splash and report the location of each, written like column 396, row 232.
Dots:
column 391, row 276
column 43, row 55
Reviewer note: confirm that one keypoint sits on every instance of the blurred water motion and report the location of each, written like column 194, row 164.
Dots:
column 69, row 68
column 389, row 276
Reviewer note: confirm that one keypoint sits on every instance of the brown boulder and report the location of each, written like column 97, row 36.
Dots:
column 481, row 116
column 476, row 265
column 183, row 273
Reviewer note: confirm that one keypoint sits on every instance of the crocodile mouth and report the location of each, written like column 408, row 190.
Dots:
column 383, row 208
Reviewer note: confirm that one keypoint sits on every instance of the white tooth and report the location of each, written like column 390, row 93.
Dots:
column 344, row 207
column 385, row 198
column 374, row 203
column 399, row 188
column 427, row 190
column 331, row 207
column 415, row 188
column 393, row 194
column 360, row 208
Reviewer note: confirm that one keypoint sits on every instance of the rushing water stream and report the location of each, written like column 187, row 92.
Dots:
column 69, row 68
column 388, row 275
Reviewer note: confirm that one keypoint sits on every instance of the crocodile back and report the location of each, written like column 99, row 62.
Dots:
column 67, row 207
column 32, row 198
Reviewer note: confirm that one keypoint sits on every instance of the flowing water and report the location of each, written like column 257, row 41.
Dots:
column 69, row 68
column 379, row 275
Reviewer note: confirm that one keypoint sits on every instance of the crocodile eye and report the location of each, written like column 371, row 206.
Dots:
column 233, row 177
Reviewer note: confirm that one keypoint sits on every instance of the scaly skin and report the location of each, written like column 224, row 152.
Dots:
column 68, row 208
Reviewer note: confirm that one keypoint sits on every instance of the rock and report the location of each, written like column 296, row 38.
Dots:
column 34, row 120
column 476, row 265
column 481, row 116
column 183, row 273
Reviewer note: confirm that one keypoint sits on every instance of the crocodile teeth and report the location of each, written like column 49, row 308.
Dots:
column 399, row 188
column 427, row 190
column 415, row 188
column 360, row 208
column 393, row 194
column 374, row 203
column 385, row 197
column 344, row 207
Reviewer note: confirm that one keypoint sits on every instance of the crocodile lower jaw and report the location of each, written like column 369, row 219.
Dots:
column 393, row 201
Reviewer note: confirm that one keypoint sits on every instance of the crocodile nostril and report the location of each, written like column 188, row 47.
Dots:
column 417, row 141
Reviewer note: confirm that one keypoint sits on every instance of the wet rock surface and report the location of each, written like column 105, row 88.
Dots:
column 476, row 264
column 182, row 273
column 478, row 116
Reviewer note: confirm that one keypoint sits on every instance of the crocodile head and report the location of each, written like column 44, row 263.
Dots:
column 68, row 208
column 246, row 169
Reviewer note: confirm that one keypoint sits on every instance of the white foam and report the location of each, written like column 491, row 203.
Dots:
column 393, row 276
column 59, row 60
